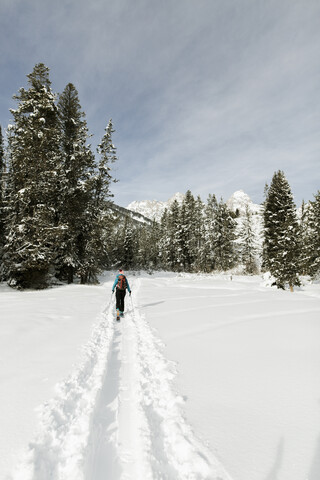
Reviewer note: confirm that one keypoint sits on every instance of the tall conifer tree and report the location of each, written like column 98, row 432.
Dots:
column 312, row 260
column 224, row 238
column 305, row 229
column 153, row 242
column 99, row 220
column 176, row 256
column 129, row 245
column 248, row 243
column 78, row 164
column 36, row 175
column 199, row 235
column 2, row 194
column 148, row 248
column 207, row 252
column 188, row 231
column 281, row 247
column 2, row 160
column 164, row 241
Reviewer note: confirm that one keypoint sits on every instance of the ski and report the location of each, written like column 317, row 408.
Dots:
column 118, row 316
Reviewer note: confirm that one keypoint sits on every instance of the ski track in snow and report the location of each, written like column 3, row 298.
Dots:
column 117, row 416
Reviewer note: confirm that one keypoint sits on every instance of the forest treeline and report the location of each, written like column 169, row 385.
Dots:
column 194, row 236
column 57, row 222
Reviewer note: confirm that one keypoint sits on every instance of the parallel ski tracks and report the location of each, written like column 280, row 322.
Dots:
column 118, row 416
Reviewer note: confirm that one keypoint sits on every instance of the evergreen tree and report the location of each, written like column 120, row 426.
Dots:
column 99, row 220
column 305, row 238
column 147, row 250
column 164, row 241
column 126, row 250
column 2, row 160
column 2, row 196
column 78, row 164
column 281, row 247
column 129, row 246
column 153, row 242
column 182, row 237
column 199, row 235
column 224, row 238
column 188, row 230
column 312, row 238
column 207, row 257
column 34, row 187
column 170, row 238
column 248, row 243
column 175, row 253
column 142, row 253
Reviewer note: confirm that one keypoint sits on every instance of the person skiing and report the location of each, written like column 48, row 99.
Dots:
column 120, row 284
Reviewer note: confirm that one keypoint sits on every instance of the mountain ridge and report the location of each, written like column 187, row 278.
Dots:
column 154, row 209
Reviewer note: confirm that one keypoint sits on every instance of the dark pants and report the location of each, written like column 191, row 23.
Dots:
column 120, row 294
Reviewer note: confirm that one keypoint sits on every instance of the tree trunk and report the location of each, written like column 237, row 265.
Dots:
column 70, row 274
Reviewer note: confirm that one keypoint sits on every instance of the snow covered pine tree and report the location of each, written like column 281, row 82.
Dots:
column 2, row 194
column 312, row 238
column 281, row 246
column 99, row 221
column 224, row 239
column 35, row 177
column 248, row 243
column 79, row 165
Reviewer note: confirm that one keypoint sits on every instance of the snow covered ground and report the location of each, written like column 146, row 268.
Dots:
column 205, row 378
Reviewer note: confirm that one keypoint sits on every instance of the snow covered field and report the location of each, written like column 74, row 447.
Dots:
column 205, row 378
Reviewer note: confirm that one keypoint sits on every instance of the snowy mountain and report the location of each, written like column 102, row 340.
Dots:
column 137, row 217
column 239, row 200
column 154, row 209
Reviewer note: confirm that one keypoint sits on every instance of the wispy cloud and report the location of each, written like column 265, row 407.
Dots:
column 211, row 96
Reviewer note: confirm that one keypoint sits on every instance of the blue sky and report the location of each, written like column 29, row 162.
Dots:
column 208, row 95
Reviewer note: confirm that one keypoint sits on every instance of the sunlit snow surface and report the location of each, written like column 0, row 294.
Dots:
column 206, row 377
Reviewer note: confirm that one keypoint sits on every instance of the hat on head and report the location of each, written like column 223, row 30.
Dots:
column 120, row 270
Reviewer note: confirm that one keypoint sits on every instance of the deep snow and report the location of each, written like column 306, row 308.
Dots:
column 249, row 362
column 204, row 376
column 41, row 339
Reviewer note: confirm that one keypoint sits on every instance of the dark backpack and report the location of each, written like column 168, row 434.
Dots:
column 122, row 284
